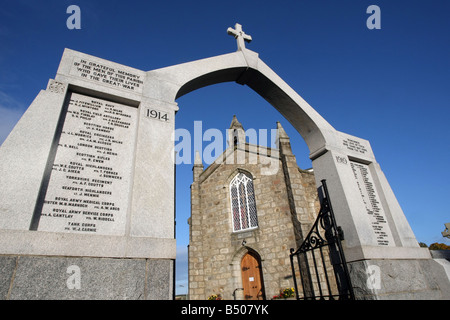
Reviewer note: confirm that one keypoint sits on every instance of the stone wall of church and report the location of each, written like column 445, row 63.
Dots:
column 215, row 251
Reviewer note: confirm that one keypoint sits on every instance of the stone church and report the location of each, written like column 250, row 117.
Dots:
column 245, row 218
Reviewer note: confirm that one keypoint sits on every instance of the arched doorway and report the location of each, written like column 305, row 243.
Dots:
column 252, row 278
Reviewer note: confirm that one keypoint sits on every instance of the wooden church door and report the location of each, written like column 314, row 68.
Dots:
column 252, row 277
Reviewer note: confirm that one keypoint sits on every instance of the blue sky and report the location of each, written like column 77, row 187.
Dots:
column 389, row 86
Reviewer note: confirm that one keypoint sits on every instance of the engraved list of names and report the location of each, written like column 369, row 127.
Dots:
column 90, row 180
column 374, row 209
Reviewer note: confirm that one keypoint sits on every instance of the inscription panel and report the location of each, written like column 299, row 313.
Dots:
column 108, row 75
column 90, row 180
column 371, row 200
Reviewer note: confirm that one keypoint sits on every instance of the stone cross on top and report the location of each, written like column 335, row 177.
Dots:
column 239, row 35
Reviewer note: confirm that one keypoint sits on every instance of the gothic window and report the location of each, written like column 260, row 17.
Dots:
column 243, row 206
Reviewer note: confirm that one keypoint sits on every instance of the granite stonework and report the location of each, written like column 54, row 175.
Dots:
column 285, row 207
column 69, row 187
column 417, row 279
column 87, row 180
column 89, row 185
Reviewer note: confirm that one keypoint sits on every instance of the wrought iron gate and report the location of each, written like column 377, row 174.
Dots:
column 322, row 269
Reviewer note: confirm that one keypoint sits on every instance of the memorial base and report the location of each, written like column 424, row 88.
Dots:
column 83, row 278
column 405, row 279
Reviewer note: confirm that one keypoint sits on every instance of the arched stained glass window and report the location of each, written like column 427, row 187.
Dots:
column 243, row 206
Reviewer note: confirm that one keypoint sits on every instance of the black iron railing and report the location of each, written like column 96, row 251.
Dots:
column 321, row 267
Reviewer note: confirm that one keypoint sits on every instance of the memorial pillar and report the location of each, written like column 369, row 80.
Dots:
column 87, row 188
column 384, row 259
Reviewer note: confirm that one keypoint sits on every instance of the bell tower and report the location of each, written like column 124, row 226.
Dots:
column 236, row 133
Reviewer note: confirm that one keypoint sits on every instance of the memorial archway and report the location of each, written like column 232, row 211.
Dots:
column 346, row 162
column 246, row 68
